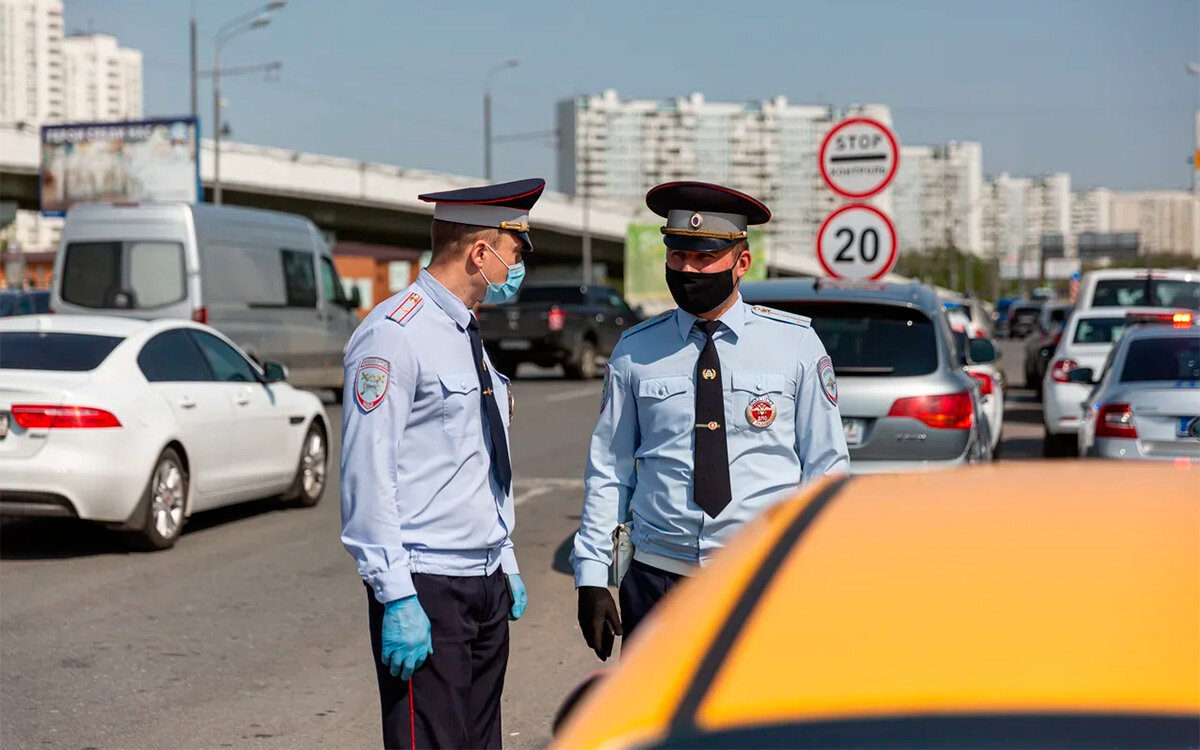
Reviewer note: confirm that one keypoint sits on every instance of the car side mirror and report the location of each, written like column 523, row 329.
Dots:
column 274, row 372
column 1081, row 375
column 982, row 351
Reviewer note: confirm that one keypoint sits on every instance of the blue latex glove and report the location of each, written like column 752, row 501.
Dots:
column 516, row 587
column 407, row 637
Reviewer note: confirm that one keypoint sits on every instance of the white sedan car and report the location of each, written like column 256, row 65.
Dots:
column 139, row 424
column 1147, row 405
column 1087, row 338
column 987, row 373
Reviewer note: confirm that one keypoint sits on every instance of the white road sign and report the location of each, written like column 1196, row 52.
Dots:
column 859, row 158
column 857, row 242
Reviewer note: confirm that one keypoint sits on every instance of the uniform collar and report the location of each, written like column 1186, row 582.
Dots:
column 442, row 297
column 734, row 319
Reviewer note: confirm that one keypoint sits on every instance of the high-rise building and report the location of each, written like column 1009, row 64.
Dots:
column 937, row 198
column 1167, row 221
column 104, row 80
column 1018, row 212
column 618, row 150
column 32, row 77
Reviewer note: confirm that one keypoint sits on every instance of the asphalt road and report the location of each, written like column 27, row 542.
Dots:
column 252, row 632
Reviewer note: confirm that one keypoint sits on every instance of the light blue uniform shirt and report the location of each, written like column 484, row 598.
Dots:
column 417, row 489
column 641, row 451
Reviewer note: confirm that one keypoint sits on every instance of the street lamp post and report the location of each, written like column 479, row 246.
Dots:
column 487, row 114
column 255, row 19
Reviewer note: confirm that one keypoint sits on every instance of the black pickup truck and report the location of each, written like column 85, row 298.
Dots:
column 574, row 325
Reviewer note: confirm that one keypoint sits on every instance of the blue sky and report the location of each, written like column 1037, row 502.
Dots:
column 1097, row 88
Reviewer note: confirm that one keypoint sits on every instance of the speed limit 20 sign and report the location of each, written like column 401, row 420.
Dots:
column 859, row 158
column 857, row 242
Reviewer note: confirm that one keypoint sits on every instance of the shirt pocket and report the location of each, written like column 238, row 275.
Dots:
column 462, row 413
column 759, row 401
column 665, row 407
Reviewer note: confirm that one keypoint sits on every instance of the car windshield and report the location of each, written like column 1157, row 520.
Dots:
column 865, row 338
column 566, row 295
column 1174, row 359
column 1147, row 292
column 1099, row 330
column 64, row 352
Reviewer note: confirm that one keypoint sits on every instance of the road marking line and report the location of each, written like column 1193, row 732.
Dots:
column 573, row 394
column 535, row 488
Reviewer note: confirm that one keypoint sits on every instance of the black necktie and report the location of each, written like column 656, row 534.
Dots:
column 710, row 456
column 501, row 468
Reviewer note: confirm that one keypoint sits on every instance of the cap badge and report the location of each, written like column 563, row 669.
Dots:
column 696, row 221
column 761, row 412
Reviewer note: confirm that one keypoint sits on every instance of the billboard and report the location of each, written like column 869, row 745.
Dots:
column 142, row 160
column 646, row 256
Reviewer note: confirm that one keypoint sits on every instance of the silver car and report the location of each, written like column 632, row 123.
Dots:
column 907, row 402
column 1147, row 403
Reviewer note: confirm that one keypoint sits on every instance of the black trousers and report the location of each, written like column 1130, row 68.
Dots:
column 641, row 589
column 453, row 700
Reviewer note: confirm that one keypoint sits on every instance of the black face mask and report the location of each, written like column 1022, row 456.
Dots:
column 699, row 293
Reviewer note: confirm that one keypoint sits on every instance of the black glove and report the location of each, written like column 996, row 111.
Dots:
column 598, row 619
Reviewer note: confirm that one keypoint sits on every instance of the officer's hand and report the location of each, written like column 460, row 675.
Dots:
column 598, row 619
column 516, row 587
column 407, row 637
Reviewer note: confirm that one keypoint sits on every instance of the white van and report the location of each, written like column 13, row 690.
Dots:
column 264, row 279
column 1139, row 287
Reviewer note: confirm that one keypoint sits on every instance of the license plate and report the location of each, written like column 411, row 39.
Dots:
column 1188, row 427
column 3, row 426
column 514, row 344
column 853, row 428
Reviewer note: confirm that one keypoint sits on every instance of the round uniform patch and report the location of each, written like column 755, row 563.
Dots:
column 828, row 379
column 761, row 412
column 371, row 383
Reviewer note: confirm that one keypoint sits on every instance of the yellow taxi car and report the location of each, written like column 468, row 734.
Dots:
column 1019, row 605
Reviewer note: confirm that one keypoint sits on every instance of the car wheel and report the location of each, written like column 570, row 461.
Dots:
column 584, row 366
column 165, row 499
column 310, row 479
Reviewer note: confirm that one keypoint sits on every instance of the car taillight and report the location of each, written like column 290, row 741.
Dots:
column 1061, row 368
column 45, row 416
column 200, row 315
column 557, row 319
column 1115, row 421
column 951, row 411
column 986, row 386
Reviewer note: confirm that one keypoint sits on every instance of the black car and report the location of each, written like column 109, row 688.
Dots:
column 1042, row 341
column 1022, row 317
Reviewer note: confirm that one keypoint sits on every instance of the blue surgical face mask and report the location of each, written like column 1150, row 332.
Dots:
column 497, row 293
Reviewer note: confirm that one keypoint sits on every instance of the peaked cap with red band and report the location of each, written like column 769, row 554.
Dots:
column 504, row 206
column 702, row 217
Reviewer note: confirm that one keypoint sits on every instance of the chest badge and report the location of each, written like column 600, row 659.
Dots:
column 761, row 412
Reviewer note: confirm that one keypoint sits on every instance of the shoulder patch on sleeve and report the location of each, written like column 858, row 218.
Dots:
column 771, row 313
column 648, row 322
column 371, row 382
column 827, row 378
column 407, row 309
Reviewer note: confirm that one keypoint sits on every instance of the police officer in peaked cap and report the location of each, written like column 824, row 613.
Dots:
column 427, row 505
column 711, row 413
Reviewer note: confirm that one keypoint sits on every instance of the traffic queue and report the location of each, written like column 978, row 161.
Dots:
column 790, row 484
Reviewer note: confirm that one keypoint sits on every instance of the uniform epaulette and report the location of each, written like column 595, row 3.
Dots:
column 771, row 313
column 407, row 309
column 648, row 322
